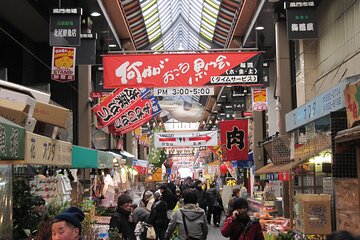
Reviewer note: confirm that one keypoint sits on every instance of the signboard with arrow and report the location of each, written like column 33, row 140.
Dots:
column 186, row 139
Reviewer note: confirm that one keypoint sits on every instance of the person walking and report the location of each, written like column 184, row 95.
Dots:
column 190, row 220
column 210, row 201
column 67, row 225
column 158, row 216
column 141, row 215
column 239, row 226
column 200, row 193
column 121, row 220
column 169, row 198
column 218, row 208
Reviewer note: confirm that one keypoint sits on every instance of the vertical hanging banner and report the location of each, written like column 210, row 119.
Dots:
column 234, row 139
column 115, row 104
column 65, row 27
column 133, row 117
column 259, row 99
column 63, row 64
column 185, row 69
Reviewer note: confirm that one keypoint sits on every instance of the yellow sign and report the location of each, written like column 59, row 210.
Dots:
column 231, row 181
column 46, row 151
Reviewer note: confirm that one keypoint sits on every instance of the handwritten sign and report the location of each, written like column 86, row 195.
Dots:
column 46, row 151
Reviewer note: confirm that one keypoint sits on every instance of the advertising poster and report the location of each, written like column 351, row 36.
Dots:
column 63, row 64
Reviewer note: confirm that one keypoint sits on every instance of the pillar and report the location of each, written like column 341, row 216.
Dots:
column 283, row 80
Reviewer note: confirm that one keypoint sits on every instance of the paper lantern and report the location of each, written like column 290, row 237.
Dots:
column 223, row 169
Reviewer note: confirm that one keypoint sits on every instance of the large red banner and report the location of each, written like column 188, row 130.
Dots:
column 234, row 139
column 182, row 69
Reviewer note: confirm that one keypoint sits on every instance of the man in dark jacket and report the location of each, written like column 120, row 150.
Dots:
column 168, row 197
column 210, row 200
column 200, row 194
column 239, row 226
column 158, row 216
column 120, row 221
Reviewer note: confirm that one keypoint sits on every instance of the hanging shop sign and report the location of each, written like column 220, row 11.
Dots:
column 327, row 102
column 115, row 104
column 259, row 99
column 141, row 112
column 84, row 157
column 186, row 139
column 63, row 64
column 65, row 27
column 352, row 102
column 234, row 139
column 238, row 103
column 86, row 52
column 47, row 151
column 178, row 91
column 301, row 20
column 180, row 151
column 141, row 165
column 230, row 181
column 178, row 70
column 12, row 138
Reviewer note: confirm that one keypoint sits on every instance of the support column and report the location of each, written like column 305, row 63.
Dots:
column 258, row 135
column 283, row 81
column 84, row 109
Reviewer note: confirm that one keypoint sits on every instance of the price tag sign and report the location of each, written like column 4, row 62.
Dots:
column 46, row 151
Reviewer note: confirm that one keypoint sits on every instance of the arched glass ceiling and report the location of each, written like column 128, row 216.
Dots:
column 180, row 24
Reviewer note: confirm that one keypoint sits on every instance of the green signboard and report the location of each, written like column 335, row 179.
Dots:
column 12, row 141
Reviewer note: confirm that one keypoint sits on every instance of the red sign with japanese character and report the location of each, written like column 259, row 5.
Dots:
column 115, row 104
column 184, row 69
column 234, row 139
column 138, row 114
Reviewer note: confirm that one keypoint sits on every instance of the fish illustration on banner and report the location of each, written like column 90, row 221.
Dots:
column 115, row 104
column 138, row 114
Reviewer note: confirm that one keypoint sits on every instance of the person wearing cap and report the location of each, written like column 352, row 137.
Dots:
column 121, row 219
column 67, row 225
column 190, row 219
column 239, row 226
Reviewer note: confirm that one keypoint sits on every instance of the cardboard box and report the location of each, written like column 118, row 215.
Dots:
column 18, row 97
column 52, row 114
column 15, row 112
column 312, row 213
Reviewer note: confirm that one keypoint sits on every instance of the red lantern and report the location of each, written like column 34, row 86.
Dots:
column 223, row 169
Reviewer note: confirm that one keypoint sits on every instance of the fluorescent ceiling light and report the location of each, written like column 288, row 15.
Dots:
column 95, row 14
column 112, row 45
column 259, row 28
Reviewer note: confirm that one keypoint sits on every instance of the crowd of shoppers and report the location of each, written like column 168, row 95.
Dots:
column 174, row 212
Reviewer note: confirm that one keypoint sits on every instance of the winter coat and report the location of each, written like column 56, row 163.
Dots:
column 169, row 198
column 250, row 231
column 201, row 198
column 195, row 222
column 140, row 214
column 120, row 220
column 158, row 215
column 210, row 197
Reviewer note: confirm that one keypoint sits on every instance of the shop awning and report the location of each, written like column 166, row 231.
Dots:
column 12, row 147
column 92, row 158
column 347, row 138
column 84, row 157
column 271, row 168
